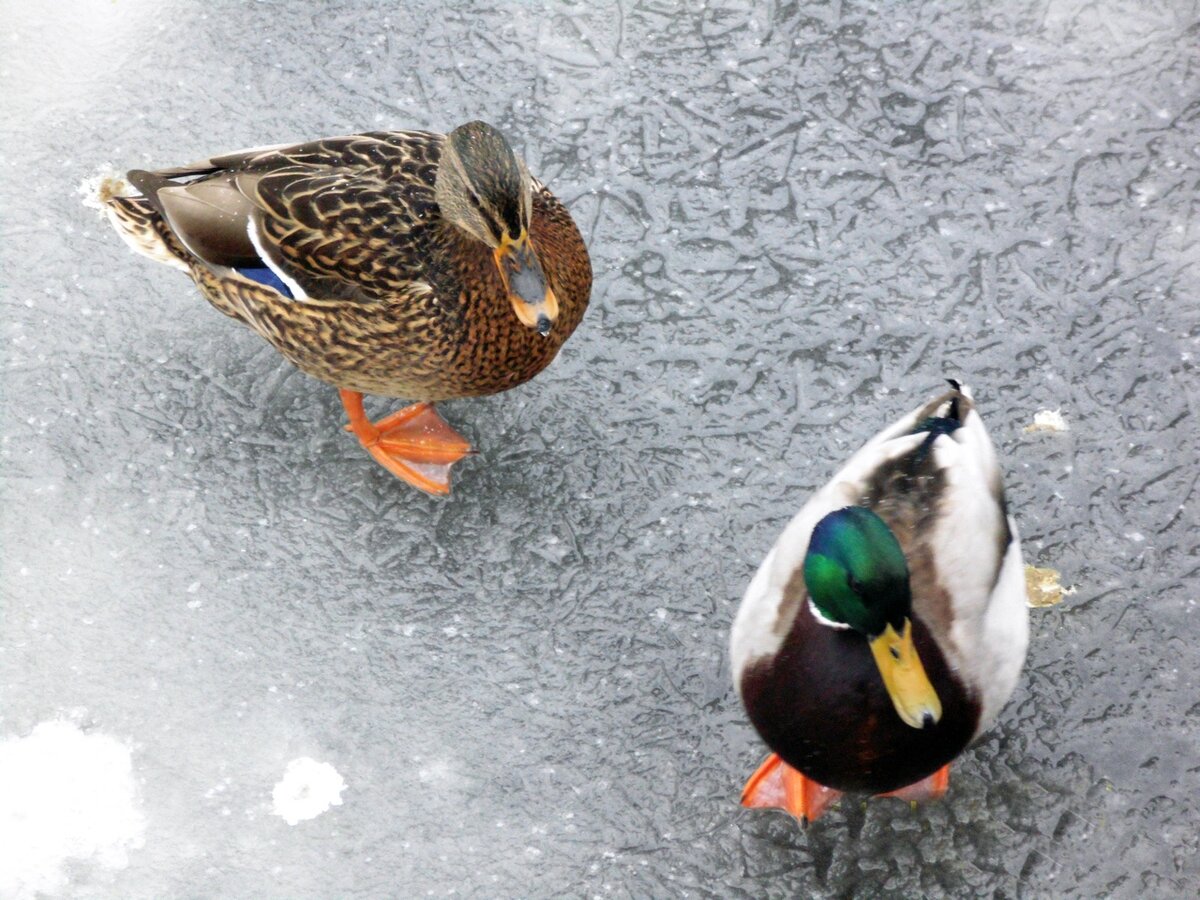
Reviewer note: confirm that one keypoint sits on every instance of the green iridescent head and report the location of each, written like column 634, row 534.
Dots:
column 857, row 576
column 856, row 572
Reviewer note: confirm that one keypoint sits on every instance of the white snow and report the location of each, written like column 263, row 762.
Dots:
column 64, row 795
column 308, row 789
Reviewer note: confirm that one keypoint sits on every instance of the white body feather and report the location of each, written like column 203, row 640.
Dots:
column 990, row 631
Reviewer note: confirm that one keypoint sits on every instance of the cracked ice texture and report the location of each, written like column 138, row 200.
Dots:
column 801, row 216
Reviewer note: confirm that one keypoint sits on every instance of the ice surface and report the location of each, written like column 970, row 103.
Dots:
column 801, row 217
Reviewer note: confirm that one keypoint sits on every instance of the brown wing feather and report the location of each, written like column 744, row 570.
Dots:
column 210, row 218
column 348, row 218
column 359, row 210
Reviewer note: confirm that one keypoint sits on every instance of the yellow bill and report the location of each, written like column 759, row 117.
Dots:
column 904, row 677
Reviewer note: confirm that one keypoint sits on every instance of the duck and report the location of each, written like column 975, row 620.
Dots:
column 888, row 625
column 407, row 264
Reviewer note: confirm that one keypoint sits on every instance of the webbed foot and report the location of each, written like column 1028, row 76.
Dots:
column 932, row 788
column 414, row 443
column 776, row 785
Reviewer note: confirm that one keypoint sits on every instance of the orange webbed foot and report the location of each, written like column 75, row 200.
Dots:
column 776, row 785
column 932, row 788
column 414, row 443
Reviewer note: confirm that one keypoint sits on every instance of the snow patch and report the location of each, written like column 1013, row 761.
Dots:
column 308, row 789
column 64, row 796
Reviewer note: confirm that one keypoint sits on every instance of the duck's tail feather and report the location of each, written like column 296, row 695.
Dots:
column 944, row 414
column 139, row 222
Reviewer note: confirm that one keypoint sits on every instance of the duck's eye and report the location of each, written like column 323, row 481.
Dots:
column 853, row 583
column 496, row 231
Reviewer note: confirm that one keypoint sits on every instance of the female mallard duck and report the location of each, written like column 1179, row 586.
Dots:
column 407, row 264
column 888, row 625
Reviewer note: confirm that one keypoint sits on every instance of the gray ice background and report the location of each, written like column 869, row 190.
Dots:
column 800, row 218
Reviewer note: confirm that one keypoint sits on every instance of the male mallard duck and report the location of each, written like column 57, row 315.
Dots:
column 406, row 264
column 888, row 625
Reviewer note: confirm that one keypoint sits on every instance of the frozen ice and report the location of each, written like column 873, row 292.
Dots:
column 801, row 217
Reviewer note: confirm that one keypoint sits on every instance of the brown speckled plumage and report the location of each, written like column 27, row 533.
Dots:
column 400, row 302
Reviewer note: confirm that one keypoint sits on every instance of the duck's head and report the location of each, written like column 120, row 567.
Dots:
column 484, row 189
column 857, row 578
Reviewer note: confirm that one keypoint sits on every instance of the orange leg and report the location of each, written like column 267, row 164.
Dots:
column 414, row 444
column 776, row 785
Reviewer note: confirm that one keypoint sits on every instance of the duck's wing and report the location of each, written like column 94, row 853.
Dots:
column 772, row 599
column 966, row 555
column 343, row 218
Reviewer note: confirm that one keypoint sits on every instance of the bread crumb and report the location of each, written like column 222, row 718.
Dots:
column 1048, row 420
column 1042, row 587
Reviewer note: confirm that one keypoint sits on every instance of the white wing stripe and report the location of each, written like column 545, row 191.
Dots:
column 298, row 292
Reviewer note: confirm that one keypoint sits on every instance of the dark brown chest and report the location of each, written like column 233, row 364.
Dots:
column 821, row 705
